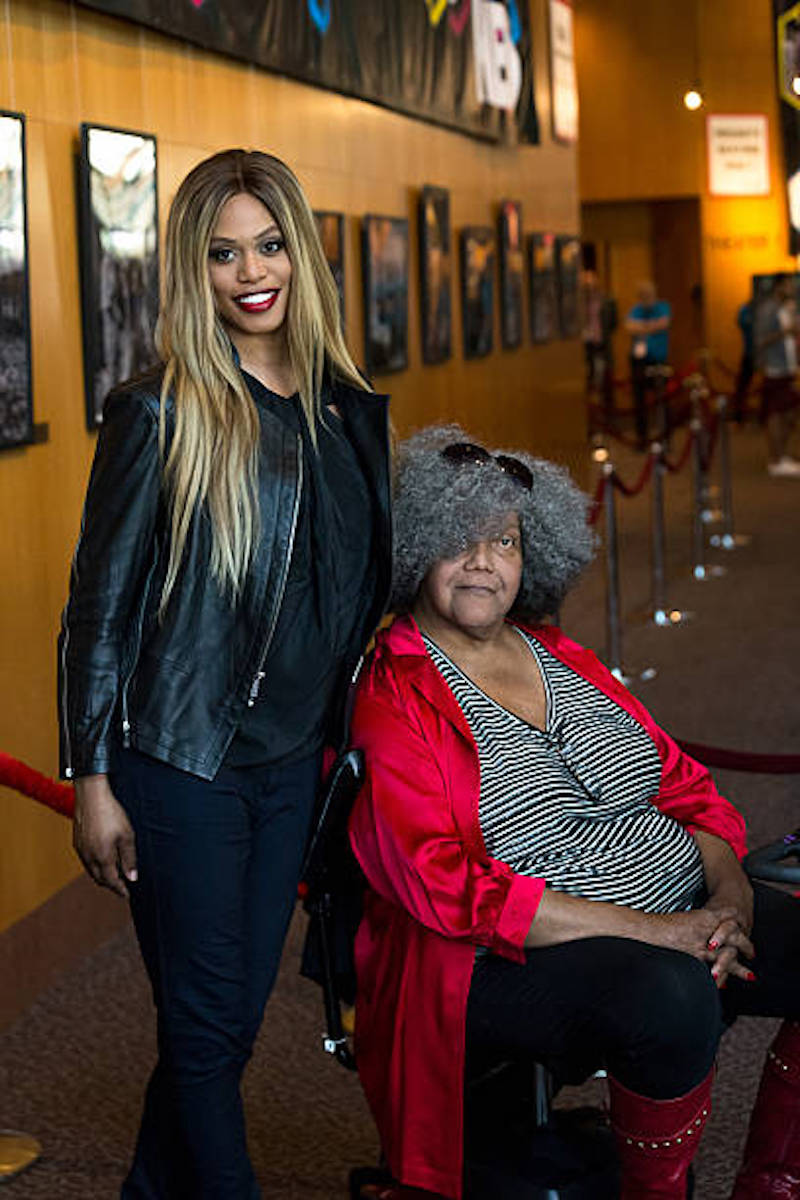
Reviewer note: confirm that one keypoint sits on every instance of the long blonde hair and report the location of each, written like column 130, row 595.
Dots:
column 213, row 456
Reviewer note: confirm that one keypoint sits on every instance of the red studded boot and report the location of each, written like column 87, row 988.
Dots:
column 771, row 1164
column 657, row 1139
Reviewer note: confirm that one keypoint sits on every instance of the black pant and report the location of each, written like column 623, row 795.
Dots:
column 652, row 1017
column 218, row 871
column 640, row 385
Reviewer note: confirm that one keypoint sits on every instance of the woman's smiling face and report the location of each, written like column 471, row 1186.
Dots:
column 474, row 590
column 249, row 268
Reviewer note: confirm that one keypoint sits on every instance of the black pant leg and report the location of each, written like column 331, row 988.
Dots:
column 776, row 940
column 218, row 865
column 650, row 1015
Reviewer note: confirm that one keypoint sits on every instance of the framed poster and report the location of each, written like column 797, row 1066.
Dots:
column 738, row 154
column 384, row 260
column 331, row 234
column 435, row 274
column 477, row 290
column 510, row 255
column 568, row 273
column 542, row 291
column 16, row 391
column 118, row 235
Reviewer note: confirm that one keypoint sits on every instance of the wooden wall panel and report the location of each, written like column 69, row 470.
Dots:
column 638, row 142
column 65, row 65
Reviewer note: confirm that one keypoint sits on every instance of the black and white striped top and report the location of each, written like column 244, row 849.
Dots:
column 573, row 803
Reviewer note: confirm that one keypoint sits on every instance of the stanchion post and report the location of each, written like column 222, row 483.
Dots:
column 613, row 629
column 700, row 570
column 657, row 537
column 663, row 616
column 658, row 374
column 698, row 533
column 727, row 540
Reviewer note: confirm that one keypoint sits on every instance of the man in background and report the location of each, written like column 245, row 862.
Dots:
column 648, row 323
column 776, row 331
column 598, row 322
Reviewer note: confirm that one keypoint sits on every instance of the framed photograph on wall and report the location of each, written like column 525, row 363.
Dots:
column 331, row 234
column 16, row 391
column 542, row 293
column 118, row 232
column 384, row 260
column 435, row 274
column 510, row 256
column 568, row 272
column 477, row 290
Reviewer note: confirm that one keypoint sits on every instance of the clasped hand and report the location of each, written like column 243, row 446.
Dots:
column 718, row 933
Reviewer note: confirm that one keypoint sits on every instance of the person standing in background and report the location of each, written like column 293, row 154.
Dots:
column 776, row 331
column 598, row 322
column 745, row 319
column 648, row 323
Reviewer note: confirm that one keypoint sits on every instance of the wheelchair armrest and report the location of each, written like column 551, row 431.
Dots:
column 779, row 862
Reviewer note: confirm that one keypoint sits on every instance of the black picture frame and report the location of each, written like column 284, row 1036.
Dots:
column 16, row 375
column 435, row 275
column 542, row 288
column 384, row 263
column 330, row 226
column 118, row 239
column 568, row 272
column 477, row 252
column 510, row 257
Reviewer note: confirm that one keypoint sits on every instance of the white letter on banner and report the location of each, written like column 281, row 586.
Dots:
column 498, row 70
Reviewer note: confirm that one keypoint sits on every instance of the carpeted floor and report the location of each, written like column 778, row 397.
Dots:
column 73, row 1068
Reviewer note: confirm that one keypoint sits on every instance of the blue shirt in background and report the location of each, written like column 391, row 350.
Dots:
column 657, row 343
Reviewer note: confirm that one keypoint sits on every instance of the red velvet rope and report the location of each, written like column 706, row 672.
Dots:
column 596, row 503
column 21, row 778
column 742, row 760
column 682, row 459
column 634, row 489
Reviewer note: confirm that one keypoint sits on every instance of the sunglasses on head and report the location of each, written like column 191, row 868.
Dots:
column 471, row 452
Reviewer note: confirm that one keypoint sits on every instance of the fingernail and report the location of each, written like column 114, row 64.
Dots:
column 722, row 985
column 750, row 977
column 133, row 875
column 713, row 943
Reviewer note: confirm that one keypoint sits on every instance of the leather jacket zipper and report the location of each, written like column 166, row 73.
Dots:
column 126, row 725
column 255, row 685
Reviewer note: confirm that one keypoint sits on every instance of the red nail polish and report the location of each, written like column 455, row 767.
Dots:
column 712, row 945
column 750, row 977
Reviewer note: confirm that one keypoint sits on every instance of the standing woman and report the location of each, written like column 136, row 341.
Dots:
column 234, row 558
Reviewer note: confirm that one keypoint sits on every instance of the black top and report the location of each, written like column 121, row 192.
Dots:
column 330, row 583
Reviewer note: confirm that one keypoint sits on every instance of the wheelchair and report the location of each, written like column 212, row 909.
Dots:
column 516, row 1144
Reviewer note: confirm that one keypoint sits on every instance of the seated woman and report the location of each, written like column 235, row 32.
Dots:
column 549, row 876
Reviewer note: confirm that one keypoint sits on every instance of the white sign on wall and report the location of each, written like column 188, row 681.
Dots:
column 738, row 154
column 563, row 80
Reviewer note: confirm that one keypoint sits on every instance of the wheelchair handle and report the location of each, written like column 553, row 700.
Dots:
column 773, row 862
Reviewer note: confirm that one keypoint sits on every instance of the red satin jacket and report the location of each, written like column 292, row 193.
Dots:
column 434, row 893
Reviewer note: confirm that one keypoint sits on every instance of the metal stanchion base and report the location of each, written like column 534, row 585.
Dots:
column 628, row 677
column 666, row 619
column 17, row 1151
column 730, row 541
column 709, row 516
column 703, row 574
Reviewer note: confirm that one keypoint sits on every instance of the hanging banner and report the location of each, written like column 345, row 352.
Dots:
column 465, row 64
column 787, row 42
column 738, row 154
column 563, row 78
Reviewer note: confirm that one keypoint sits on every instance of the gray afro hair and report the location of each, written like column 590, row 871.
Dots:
column 440, row 507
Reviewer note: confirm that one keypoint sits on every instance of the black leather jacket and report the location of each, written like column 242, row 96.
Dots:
column 176, row 688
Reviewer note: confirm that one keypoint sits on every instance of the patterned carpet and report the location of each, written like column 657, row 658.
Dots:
column 73, row 1068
